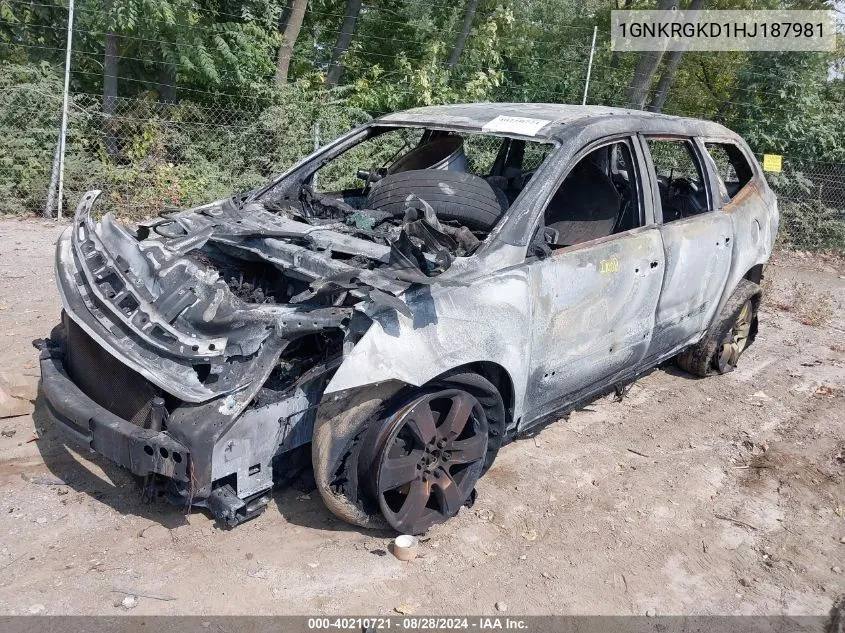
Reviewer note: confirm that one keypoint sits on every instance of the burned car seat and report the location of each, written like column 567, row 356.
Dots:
column 585, row 207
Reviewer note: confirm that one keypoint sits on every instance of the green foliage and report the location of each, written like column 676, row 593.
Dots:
column 225, row 126
column 27, row 102
column 786, row 107
column 812, row 226
column 169, row 154
column 178, row 155
column 196, row 46
column 419, row 75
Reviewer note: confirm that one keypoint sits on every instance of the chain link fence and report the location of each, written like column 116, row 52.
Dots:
column 148, row 156
column 811, row 199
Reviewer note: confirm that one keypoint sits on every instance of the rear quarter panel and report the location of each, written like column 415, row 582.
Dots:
column 754, row 216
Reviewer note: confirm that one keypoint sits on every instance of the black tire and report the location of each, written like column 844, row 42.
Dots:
column 458, row 196
column 342, row 454
column 701, row 358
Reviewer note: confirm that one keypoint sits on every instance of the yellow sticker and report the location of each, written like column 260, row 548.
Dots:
column 772, row 162
column 607, row 266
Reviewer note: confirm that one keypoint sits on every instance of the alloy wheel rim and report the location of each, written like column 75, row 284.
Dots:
column 736, row 340
column 430, row 457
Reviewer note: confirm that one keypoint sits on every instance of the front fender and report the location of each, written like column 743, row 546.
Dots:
column 449, row 326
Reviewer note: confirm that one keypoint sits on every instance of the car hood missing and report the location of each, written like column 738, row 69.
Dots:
column 203, row 302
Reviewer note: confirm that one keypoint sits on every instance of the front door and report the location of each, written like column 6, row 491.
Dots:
column 595, row 293
column 593, row 315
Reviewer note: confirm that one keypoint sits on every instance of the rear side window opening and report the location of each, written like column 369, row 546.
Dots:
column 731, row 167
column 680, row 178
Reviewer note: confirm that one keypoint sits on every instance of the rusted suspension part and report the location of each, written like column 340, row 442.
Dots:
column 429, row 457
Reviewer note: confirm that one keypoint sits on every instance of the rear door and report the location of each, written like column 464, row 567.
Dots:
column 696, row 242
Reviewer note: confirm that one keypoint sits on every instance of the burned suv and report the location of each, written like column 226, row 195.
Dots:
column 404, row 301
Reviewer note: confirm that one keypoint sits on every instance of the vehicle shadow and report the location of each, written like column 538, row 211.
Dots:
column 297, row 500
column 667, row 367
column 119, row 489
column 306, row 509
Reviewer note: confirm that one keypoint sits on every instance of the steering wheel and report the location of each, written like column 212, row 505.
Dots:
column 369, row 177
column 684, row 186
column 369, row 181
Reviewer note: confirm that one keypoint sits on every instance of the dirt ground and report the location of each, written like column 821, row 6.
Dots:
column 717, row 496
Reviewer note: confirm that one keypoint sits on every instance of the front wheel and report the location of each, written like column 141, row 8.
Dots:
column 414, row 460
column 426, row 459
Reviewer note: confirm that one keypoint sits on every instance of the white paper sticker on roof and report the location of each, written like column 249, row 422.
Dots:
column 524, row 126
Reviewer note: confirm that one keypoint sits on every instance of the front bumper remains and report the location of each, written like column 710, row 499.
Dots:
column 206, row 456
column 159, row 367
column 87, row 424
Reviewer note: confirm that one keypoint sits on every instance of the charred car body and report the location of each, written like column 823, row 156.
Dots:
column 487, row 267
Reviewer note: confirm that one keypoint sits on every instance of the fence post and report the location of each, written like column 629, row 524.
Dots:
column 63, row 135
column 590, row 66
column 54, row 179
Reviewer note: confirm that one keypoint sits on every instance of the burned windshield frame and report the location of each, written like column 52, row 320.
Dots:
column 314, row 161
column 288, row 184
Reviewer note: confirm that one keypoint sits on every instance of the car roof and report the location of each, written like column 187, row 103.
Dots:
column 520, row 118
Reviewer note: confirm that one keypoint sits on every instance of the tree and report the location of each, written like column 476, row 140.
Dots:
column 783, row 103
column 167, row 84
column 668, row 75
column 289, row 37
column 419, row 76
column 344, row 38
column 644, row 71
column 458, row 48
column 666, row 79
column 284, row 17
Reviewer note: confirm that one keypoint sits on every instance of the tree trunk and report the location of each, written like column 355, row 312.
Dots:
column 665, row 82
column 645, row 69
column 289, row 36
column 353, row 8
column 110, row 70
column 469, row 15
column 284, row 18
column 668, row 75
column 614, row 59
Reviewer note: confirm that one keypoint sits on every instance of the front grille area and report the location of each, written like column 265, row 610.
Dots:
column 104, row 379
